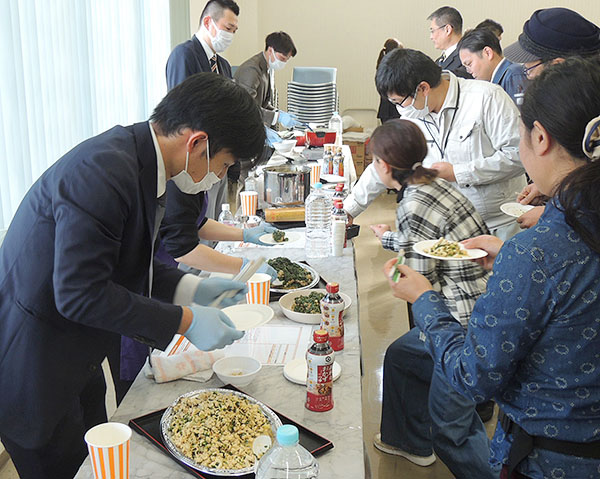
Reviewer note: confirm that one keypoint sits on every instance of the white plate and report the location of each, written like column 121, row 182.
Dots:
column 248, row 316
column 515, row 209
column 421, row 246
column 333, row 178
column 286, row 301
column 291, row 235
column 313, row 273
column 296, row 370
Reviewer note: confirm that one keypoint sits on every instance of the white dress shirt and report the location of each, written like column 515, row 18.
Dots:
column 448, row 51
column 188, row 284
column 209, row 51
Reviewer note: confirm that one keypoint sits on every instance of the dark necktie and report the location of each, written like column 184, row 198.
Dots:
column 160, row 213
column 213, row 64
column 441, row 59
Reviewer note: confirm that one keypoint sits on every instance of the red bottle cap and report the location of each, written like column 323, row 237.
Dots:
column 333, row 287
column 339, row 187
column 320, row 336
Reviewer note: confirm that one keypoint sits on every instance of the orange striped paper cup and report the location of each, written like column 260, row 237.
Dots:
column 249, row 201
column 259, row 289
column 108, row 445
column 315, row 174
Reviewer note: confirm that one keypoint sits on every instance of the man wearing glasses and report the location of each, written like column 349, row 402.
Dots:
column 471, row 129
column 481, row 54
column 445, row 31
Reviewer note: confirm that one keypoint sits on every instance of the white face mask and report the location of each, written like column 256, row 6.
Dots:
column 411, row 112
column 221, row 40
column 186, row 184
column 276, row 64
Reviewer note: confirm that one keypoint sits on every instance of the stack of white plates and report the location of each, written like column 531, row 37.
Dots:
column 312, row 102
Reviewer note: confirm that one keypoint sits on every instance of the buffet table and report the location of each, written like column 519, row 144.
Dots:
column 342, row 425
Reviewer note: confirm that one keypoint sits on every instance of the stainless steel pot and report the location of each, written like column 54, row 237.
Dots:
column 286, row 185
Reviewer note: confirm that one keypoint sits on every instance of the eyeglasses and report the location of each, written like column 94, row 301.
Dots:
column 399, row 103
column 527, row 70
column 431, row 30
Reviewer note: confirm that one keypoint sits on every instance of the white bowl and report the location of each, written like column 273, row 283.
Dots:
column 237, row 370
column 284, row 147
column 287, row 300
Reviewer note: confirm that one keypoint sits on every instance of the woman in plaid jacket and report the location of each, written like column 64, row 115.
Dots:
column 421, row 411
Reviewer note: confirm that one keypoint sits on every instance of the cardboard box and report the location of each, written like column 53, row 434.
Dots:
column 357, row 148
column 359, row 151
column 274, row 215
column 354, row 129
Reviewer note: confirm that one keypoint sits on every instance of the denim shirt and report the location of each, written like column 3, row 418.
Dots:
column 532, row 344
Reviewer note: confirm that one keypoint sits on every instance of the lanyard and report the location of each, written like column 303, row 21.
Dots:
column 442, row 147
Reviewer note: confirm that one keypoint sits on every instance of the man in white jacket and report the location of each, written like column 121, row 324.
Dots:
column 471, row 128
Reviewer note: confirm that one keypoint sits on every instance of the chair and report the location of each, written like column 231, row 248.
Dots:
column 312, row 75
column 312, row 102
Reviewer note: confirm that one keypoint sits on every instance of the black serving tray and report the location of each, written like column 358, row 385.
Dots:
column 149, row 426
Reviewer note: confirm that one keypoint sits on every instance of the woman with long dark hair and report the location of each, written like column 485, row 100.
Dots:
column 387, row 111
column 533, row 339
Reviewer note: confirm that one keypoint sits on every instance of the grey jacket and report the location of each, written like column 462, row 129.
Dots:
column 253, row 75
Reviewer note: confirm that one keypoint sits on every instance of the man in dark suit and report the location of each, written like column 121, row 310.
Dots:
column 445, row 31
column 77, row 269
column 218, row 24
column 481, row 54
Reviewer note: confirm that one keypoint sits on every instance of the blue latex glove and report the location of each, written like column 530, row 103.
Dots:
column 264, row 268
column 252, row 235
column 288, row 120
column 272, row 136
column 211, row 329
column 211, row 288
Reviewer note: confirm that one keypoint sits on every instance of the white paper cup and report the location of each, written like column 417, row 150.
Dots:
column 108, row 445
column 315, row 174
column 259, row 289
column 249, row 201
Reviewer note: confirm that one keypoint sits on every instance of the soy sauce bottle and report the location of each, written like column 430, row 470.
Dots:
column 319, row 376
column 332, row 312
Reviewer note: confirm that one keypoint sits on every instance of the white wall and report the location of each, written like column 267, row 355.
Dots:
column 348, row 34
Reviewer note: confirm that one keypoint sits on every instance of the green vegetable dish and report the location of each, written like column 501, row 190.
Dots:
column 291, row 275
column 279, row 236
column 309, row 304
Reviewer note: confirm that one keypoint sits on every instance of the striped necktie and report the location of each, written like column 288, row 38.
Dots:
column 213, row 64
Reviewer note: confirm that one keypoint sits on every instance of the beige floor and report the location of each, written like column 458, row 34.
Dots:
column 382, row 320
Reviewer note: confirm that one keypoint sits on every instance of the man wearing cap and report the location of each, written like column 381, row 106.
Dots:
column 481, row 54
column 549, row 36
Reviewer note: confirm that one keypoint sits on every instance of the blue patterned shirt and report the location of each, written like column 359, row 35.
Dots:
column 532, row 344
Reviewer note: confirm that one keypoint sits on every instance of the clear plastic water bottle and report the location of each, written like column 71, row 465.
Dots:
column 250, row 182
column 317, row 216
column 287, row 459
column 226, row 217
column 335, row 123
